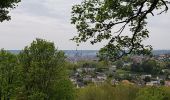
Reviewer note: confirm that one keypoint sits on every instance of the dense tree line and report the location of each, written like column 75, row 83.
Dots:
column 8, row 75
column 148, row 66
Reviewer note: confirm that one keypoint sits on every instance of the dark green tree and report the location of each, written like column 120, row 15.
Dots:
column 168, row 65
column 119, row 64
column 42, row 72
column 96, row 20
column 151, row 67
column 8, row 75
column 136, row 67
column 5, row 7
column 147, row 79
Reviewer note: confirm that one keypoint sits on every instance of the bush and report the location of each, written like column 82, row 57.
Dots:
column 107, row 92
column 122, row 92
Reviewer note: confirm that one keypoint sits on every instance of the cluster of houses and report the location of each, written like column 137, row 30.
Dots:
column 86, row 75
column 155, row 81
column 162, row 57
column 83, row 76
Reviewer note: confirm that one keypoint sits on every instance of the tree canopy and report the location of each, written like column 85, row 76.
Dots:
column 43, row 73
column 5, row 6
column 8, row 75
column 96, row 20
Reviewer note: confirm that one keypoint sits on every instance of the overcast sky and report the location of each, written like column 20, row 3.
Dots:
column 50, row 20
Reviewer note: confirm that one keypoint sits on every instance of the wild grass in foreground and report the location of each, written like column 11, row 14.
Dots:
column 122, row 92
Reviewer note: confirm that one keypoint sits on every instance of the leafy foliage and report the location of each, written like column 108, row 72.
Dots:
column 8, row 75
column 5, row 6
column 107, row 92
column 43, row 73
column 123, row 92
column 152, row 93
column 148, row 66
column 96, row 20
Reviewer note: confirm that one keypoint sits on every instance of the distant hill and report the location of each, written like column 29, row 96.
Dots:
column 159, row 52
column 81, row 52
column 72, row 53
column 14, row 51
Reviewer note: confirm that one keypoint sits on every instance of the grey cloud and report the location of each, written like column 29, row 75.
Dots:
column 50, row 19
column 58, row 9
